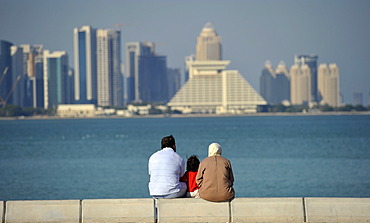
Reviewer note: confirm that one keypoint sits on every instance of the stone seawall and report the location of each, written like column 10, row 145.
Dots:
column 293, row 209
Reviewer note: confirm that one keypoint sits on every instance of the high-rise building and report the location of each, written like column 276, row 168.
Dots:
column 133, row 51
column 153, row 85
column 85, row 74
column 266, row 82
column 174, row 81
column 300, row 84
column 282, row 83
column 208, row 44
column 6, row 83
column 210, row 87
column 18, row 76
column 39, row 91
column 311, row 62
column 146, row 73
column 109, row 77
column 25, row 75
column 213, row 89
column 275, row 85
column 55, row 74
column 32, row 68
column 328, row 85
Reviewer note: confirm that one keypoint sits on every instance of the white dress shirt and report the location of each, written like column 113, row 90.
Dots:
column 165, row 169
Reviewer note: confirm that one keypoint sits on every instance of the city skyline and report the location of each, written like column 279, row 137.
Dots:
column 252, row 31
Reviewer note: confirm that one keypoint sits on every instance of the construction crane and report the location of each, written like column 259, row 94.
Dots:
column 2, row 100
column 11, row 90
column 4, row 73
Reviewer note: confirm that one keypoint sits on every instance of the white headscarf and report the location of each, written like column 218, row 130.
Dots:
column 214, row 149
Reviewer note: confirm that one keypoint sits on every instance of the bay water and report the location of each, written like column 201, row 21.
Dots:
column 271, row 156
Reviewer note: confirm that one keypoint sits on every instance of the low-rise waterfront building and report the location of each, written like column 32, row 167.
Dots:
column 76, row 110
column 139, row 109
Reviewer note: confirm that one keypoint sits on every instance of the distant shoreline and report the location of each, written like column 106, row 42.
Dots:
column 38, row 117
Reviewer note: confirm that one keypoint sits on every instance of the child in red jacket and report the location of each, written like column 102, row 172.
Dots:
column 189, row 176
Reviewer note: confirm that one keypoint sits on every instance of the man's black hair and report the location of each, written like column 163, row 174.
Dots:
column 168, row 141
column 192, row 163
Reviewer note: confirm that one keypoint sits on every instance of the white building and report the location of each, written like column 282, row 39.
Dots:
column 76, row 110
column 328, row 85
column 300, row 84
column 213, row 89
column 139, row 109
column 84, row 42
column 109, row 77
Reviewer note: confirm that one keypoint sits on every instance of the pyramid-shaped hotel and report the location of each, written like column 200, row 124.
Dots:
column 210, row 87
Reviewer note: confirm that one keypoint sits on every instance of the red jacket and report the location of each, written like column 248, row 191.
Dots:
column 189, row 178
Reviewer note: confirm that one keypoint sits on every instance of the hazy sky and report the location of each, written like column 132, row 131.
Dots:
column 338, row 31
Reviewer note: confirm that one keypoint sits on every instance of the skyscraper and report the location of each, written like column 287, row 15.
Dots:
column 33, row 70
column 134, row 50
column 84, row 40
column 300, row 84
column 146, row 73
column 328, row 85
column 5, row 72
column 311, row 62
column 275, row 85
column 266, row 82
column 109, row 77
column 173, row 80
column 55, row 74
column 210, row 87
column 18, row 76
column 282, row 83
column 208, row 44
column 153, row 82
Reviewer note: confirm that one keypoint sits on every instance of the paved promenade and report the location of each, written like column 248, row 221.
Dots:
column 295, row 209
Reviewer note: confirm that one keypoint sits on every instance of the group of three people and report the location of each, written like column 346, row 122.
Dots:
column 212, row 179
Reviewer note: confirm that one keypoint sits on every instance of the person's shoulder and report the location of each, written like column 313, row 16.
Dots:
column 206, row 160
column 155, row 154
column 212, row 158
column 225, row 159
column 179, row 157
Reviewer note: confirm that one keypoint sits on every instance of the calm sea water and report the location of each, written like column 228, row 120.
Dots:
column 280, row 156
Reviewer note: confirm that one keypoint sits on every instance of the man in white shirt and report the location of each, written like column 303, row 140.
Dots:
column 165, row 169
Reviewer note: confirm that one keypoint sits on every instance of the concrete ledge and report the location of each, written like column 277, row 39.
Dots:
column 2, row 210
column 338, row 209
column 118, row 210
column 192, row 210
column 267, row 210
column 312, row 210
column 43, row 211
